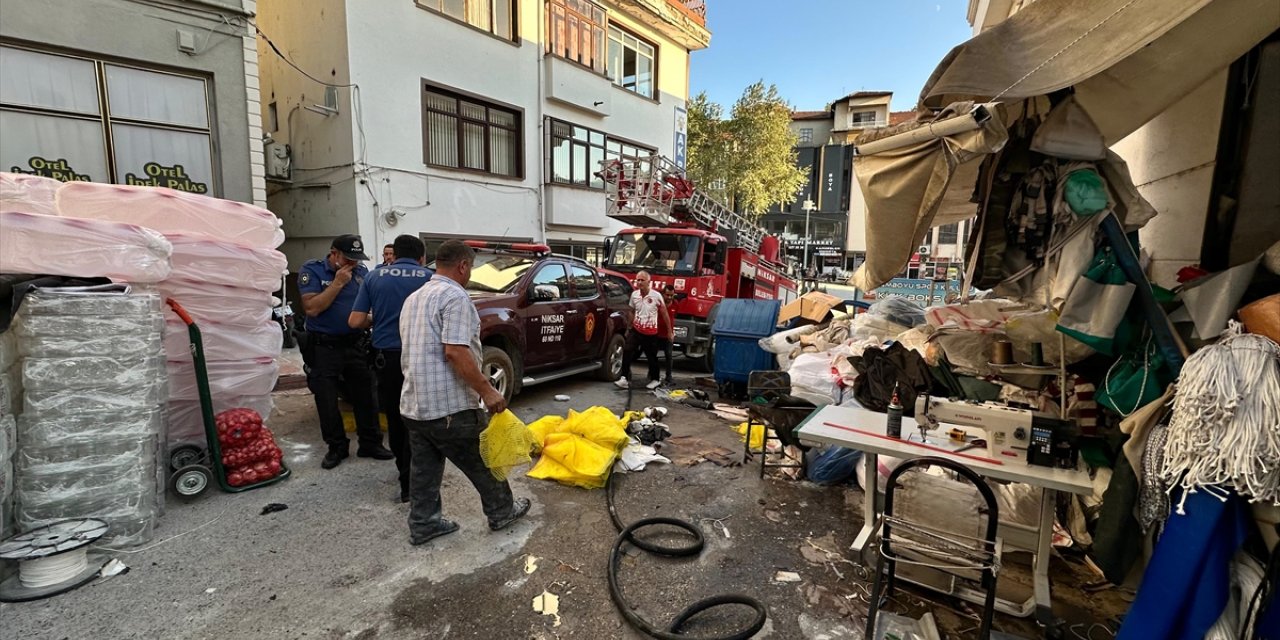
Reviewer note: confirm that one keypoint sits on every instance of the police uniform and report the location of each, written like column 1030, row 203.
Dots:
column 383, row 294
column 339, row 359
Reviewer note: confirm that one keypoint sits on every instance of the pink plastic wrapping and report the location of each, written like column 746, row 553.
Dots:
column 22, row 192
column 211, row 302
column 226, row 378
column 224, row 341
column 186, row 425
column 33, row 243
column 170, row 211
column 195, row 257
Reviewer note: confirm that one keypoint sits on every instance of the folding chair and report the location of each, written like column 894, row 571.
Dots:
column 771, row 405
column 913, row 543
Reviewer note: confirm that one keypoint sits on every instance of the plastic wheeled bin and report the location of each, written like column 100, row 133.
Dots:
column 737, row 331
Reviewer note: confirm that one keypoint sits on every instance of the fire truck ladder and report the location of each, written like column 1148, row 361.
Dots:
column 653, row 191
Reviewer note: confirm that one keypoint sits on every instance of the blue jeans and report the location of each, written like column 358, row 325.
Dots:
column 457, row 439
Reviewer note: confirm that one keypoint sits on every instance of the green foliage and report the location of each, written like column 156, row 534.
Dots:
column 748, row 160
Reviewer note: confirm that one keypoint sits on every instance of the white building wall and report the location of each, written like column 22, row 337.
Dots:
column 1171, row 159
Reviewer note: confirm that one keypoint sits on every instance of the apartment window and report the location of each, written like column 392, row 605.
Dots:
column 467, row 133
column 494, row 16
column 806, row 135
column 273, row 117
column 575, row 31
column 74, row 118
column 632, row 62
column 949, row 233
column 863, row 117
column 578, row 152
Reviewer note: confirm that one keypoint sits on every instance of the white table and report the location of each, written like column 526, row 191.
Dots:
column 818, row 428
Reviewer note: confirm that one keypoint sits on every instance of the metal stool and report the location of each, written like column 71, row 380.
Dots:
column 915, row 544
column 781, row 411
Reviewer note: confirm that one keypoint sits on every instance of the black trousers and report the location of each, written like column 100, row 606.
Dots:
column 667, row 346
column 386, row 365
column 650, row 345
column 340, row 364
column 455, row 438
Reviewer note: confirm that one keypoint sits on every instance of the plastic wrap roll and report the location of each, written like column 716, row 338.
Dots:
column 8, row 350
column 168, row 211
column 53, row 245
column 60, row 403
column 84, row 326
column 224, row 341
column 196, row 257
column 61, row 302
column 25, row 192
column 88, row 428
column 8, row 437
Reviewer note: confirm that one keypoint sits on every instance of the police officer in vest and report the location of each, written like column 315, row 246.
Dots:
column 329, row 287
column 378, row 305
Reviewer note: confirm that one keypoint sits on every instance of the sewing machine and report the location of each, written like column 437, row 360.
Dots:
column 1012, row 434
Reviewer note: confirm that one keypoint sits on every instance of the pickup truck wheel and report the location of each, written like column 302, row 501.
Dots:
column 611, row 366
column 497, row 367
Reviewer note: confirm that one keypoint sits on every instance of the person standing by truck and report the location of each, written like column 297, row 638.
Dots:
column 644, row 334
column 669, row 300
column 339, row 355
column 378, row 306
column 443, row 390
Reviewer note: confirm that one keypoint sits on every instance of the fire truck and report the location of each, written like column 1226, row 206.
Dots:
column 685, row 238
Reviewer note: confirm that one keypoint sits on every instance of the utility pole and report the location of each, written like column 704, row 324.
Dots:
column 808, row 207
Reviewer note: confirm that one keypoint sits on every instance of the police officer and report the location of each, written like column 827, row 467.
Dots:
column 382, row 295
column 329, row 287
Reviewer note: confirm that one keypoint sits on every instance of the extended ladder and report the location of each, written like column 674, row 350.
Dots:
column 653, row 191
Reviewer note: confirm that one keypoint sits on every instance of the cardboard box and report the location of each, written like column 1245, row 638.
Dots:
column 811, row 308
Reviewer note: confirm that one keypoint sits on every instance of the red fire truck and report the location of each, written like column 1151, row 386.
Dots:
column 684, row 238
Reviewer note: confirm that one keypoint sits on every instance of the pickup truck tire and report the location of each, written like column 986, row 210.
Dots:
column 501, row 372
column 611, row 362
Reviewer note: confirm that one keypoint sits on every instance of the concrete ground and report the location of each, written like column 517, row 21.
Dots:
column 337, row 562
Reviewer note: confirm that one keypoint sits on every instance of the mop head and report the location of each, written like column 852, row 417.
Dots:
column 1224, row 432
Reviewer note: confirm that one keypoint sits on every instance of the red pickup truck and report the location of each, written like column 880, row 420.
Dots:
column 545, row 316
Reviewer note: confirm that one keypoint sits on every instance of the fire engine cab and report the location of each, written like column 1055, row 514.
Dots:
column 686, row 239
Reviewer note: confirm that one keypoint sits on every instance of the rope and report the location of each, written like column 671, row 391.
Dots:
column 38, row 573
column 1224, row 431
column 1061, row 51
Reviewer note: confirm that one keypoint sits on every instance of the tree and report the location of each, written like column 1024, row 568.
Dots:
column 749, row 160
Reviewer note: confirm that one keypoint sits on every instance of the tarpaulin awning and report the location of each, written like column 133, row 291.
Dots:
column 905, row 173
column 1128, row 60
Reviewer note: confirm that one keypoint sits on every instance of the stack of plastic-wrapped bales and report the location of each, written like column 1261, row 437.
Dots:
column 91, row 432
column 101, row 369
column 10, row 399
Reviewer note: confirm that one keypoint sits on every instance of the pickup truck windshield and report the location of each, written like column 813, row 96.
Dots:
column 497, row 273
column 656, row 252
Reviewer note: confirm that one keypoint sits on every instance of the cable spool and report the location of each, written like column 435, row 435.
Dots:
column 52, row 559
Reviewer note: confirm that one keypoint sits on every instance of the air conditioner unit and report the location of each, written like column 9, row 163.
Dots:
column 923, row 250
column 279, row 159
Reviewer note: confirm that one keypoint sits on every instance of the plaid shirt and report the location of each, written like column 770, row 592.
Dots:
column 435, row 315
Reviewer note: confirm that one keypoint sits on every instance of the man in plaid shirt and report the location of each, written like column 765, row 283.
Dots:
column 443, row 390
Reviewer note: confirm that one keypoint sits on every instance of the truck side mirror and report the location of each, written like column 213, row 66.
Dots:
column 546, row 293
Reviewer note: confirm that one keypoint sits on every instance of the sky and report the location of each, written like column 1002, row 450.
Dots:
column 819, row 50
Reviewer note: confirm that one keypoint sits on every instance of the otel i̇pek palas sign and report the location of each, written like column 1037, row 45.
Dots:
column 154, row 174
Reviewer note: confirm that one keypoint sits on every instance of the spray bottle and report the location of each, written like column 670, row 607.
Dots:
column 895, row 415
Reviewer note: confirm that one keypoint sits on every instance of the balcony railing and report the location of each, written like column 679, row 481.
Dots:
column 698, row 7
column 867, row 124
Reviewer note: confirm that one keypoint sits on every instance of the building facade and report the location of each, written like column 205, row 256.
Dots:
column 466, row 118
column 173, row 104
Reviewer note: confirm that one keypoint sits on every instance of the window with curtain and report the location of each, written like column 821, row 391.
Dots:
column 949, row 233
column 577, row 153
column 633, row 63
column 460, row 132
column 806, row 135
column 495, row 16
column 56, row 120
column 575, row 31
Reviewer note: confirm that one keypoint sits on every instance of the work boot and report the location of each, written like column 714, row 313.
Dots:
column 378, row 453
column 518, row 509
column 333, row 458
column 446, row 527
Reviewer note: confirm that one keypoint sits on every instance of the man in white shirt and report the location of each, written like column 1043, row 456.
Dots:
column 644, row 334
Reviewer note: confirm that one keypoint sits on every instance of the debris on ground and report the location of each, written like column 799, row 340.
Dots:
column 548, row 604
column 273, row 507
column 562, row 398
column 636, row 456
column 786, row 576
column 530, row 564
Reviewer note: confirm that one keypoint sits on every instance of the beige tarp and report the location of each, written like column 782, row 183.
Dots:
column 1127, row 59
column 905, row 186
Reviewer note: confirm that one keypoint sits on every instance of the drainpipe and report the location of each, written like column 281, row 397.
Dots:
column 539, row 57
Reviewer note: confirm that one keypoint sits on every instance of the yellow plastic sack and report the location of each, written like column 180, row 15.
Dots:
column 505, row 443
column 544, row 426
column 574, row 460
column 757, row 434
column 599, row 425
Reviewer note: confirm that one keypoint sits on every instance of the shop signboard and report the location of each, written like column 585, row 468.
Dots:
column 917, row 290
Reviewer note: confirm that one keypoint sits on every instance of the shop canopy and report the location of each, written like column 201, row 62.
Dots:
column 1127, row 60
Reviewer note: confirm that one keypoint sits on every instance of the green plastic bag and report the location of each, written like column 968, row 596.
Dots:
column 1136, row 379
column 1085, row 193
column 1097, row 303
